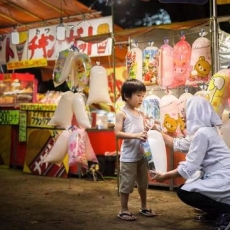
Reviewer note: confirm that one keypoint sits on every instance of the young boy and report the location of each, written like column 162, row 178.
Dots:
column 133, row 168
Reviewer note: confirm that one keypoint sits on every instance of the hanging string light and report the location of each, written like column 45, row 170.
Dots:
column 61, row 30
column 15, row 36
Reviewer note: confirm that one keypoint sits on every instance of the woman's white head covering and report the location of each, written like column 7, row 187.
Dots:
column 200, row 113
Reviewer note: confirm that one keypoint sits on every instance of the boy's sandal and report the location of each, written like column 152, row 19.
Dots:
column 126, row 216
column 147, row 212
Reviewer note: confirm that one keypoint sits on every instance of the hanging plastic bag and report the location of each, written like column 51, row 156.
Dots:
column 63, row 66
column 80, row 150
column 181, row 58
column 150, row 65
column 200, row 61
column 81, row 65
column 80, row 111
column 151, row 109
column 77, row 149
column 169, row 115
column 98, row 86
column 166, row 69
column 134, row 63
column 59, row 150
column 64, row 112
column 218, row 90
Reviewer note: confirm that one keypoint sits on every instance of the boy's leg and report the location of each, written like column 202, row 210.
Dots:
column 143, row 197
column 127, row 181
column 142, row 184
column 124, row 202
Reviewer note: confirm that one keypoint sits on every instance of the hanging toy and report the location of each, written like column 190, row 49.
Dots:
column 82, row 66
column 181, row 58
column 200, row 61
column 165, row 69
column 150, row 65
column 134, row 63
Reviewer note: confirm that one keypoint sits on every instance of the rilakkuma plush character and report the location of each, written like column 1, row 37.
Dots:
column 201, row 70
column 170, row 124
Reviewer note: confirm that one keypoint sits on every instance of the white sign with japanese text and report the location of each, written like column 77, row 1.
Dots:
column 42, row 42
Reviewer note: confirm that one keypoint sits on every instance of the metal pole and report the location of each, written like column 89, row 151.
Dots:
column 115, row 95
column 214, row 36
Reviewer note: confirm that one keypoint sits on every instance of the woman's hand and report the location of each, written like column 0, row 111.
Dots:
column 158, row 176
column 156, row 126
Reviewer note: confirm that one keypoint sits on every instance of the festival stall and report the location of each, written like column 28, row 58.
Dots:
column 63, row 133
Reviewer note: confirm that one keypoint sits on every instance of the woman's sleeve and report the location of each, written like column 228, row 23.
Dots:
column 195, row 156
column 181, row 144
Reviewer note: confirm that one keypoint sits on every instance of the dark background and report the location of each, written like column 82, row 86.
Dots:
column 131, row 13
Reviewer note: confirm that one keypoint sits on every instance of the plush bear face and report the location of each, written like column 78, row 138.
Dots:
column 202, row 67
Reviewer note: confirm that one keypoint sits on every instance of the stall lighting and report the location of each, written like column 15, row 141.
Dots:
column 61, row 31
column 15, row 37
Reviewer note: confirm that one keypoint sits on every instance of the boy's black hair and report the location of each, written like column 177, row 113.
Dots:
column 131, row 86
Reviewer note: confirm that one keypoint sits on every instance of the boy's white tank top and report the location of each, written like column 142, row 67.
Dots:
column 130, row 148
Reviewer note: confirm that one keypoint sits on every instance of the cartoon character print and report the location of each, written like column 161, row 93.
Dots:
column 180, row 69
column 150, row 67
column 182, row 124
column 131, row 64
column 201, row 70
column 218, row 90
column 174, row 127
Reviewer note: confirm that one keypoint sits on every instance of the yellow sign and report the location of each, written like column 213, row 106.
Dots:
column 22, row 126
column 37, row 107
column 27, row 63
column 39, row 119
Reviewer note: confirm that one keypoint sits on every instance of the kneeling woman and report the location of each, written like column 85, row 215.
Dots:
column 208, row 153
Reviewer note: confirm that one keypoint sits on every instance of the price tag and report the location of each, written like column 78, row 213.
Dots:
column 9, row 117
